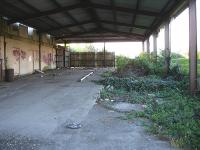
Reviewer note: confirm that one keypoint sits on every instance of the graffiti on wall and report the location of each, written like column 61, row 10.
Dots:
column 48, row 59
column 18, row 53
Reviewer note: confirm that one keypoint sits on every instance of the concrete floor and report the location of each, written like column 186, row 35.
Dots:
column 34, row 111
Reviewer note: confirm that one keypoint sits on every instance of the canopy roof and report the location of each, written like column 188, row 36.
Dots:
column 92, row 20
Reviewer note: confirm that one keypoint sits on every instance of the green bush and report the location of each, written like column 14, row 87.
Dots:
column 122, row 61
column 173, row 112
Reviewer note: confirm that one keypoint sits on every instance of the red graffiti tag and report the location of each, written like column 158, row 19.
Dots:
column 47, row 59
column 17, row 53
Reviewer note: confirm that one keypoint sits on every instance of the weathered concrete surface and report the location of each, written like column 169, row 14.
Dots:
column 104, row 129
column 34, row 112
column 36, row 107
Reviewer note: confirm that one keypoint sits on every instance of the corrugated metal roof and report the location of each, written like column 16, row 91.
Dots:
column 130, row 19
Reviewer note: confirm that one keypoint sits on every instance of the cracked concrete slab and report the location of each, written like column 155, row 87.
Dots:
column 34, row 113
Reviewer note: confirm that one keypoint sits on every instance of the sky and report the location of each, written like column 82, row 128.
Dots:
column 179, row 38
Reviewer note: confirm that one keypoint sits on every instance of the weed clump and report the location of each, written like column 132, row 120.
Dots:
column 174, row 113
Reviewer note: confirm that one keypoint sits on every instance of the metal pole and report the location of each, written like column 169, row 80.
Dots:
column 167, row 47
column 104, row 53
column 64, row 53
column 148, row 46
column 40, row 64
column 193, row 46
column 155, row 35
column 143, row 46
column 4, row 51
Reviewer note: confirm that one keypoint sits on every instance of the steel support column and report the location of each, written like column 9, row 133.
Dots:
column 193, row 46
column 64, row 53
column 104, row 53
column 40, row 58
column 167, row 47
column 143, row 46
column 155, row 47
column 148, row 46
column 5, row 52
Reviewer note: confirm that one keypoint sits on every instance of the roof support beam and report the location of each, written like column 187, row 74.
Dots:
column 75, row 34
column 91, row 21
column 127, row 10
column 45, row 13
column 112, row 2
column 84, row 4
column 134, row 15
column 92, row 13
column 102, row 40
column 68, row 15
column 68, row 26
column 125, row 24
column 36, row 10
column 193, row 46
column 125, row 34
column 165, row 15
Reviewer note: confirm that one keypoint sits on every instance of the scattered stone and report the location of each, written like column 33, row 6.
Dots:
column 73, row 125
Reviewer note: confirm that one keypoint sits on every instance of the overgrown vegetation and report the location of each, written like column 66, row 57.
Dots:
column 174, row 113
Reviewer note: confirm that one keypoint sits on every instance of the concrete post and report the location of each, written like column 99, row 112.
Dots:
column 40, row 54
column 148, row 46
column 155, row 35
column 193, row 46
column 167, row 47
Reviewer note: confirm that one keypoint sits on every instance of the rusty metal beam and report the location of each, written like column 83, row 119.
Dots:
column 148, row 46
column 167, row 47
column 193, row 46
column 155, row 47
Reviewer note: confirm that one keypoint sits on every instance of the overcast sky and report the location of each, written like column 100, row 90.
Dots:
column 179, row 38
